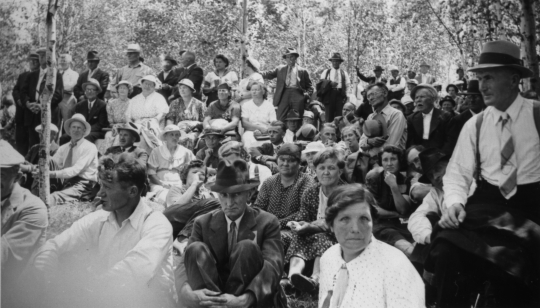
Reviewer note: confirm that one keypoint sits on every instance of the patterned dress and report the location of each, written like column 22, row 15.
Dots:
column 179, row 111
column 118, row 113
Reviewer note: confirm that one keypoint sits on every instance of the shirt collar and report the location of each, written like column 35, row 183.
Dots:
column 512, row 111
column 79, row 142
column 386, row 109
column 138, row 65
column 429, row 113
column 472, row 112
column 236, row 221
column 136, row 219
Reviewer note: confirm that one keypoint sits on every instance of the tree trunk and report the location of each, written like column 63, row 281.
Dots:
column 45, row 99
column 528, row 40
column 244, row 37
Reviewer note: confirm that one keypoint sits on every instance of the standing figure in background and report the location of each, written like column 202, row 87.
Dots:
column 251, row 71
column 192, row 71
column 396, row 84
column 372, row 79
column 133, row 72
column 340, row 82
column 424, row 76
column 66, row 108
column 168, row 77
column 92, row 62
column 222, row 74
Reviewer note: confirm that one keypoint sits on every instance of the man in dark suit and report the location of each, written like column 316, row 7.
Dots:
column 293, row 86
column 31, row 96
column 94, row 110
column 92, row 61
column 190, row 71
column 21, row 138
column 235, row 255
column 168, row 77
column 266, row 154
column 372, row 79
column 428, row 126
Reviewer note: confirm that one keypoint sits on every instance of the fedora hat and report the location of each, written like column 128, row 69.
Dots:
column 378, row 68
column 171, row 59
column 501, row 54
column 134, row 48
column 169, row 128
column 292, row 115
column 375, row 127
column 336, row 56
column 188, row 83
column 253, row 62
column 77, row 118
column 92, row 82
column 473, row 88
column 131, row 127
column 397, row 101
column 425, row 64
column 92, row 55
column 232, row 177
column 53, row 128
column 428, row 159
column 422, row 86
column 33, row 56
column 290, row 51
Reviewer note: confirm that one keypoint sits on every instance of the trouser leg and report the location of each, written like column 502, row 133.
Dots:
column 21, row 139
column 72, row 190
column 201, row 267
column 448, row 267
column 246, row 261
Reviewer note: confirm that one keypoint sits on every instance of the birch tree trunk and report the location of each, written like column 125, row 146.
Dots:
column 45, row 99
column 528, row 41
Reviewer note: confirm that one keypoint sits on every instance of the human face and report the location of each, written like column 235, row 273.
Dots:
column 414, row 160
column 424, row 69
column 395, row 73
column 8, row 178
column 185, row 91
column 398, row 107
column 476, row 103
column 234, row 204
column 167, row 65
column 224, row 94
column 351, row 139
column 328, row 134
column 410, row 108
column 376, row 97
column 77, row 130
column 292, row 125
column 195, row 174
column 390, row 162
column 424, row 101
column 291, row 59
column 310, row 156
column 328, row 172
column 220, row 64
column 347, row 108
column 63, row 63
column 498, row 86
column 460, row 74
column 410, row 86
column 123, row 90
column 148, row 86
column 212, row 141
column 256, row 91
column 91, row 92
column 378, row 73
column 447, row 106
column 276, row 134
column 133, row 57
column 125, row 138
column 353, row 228
column 34, row 64
column 336, row 64
column 288, row 166
column 436, row 175
column 115, row 195
column 307, row 120
column 172, row 138
column 186, row 60
column 92, row 64
column 452, row 92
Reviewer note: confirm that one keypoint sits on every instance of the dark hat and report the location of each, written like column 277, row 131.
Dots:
column 290, row 149
column 171, row 59
column 292, row 115
column 378, row 68
column 397, row 101
column 212, row 131
column 425, row 64
column 428, row 159
column 132, row 128
column 452, row 85
column 232, row 177
column 290, row 51
column 473, row 88
column 224, row 85
column 459, row 69
column 33, row 56
column 336, row 56
column 376, row 127
column 501, row 54
column 447, row 99
column 92, row 56
column 307, row 132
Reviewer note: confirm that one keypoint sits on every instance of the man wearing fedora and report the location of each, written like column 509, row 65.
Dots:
column 93, row 71
column 396, row 84
column 494, row 234
column 94, row 110
column 372, row 79
column 265, row 154
column 293, row 124
column 69, row 77
column 340, row 83
column 168, row 77
column 425, row 77
column 234, row 256
column 128, row 134
column 189, row 70
column 293, row 86
column 209, row 154
column 133, row 72
column 31, row 97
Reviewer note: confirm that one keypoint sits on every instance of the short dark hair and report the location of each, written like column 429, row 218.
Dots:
column 279, row 124
column 328, row 153
column 129, row 169
column 346, row 195
column 379, row 85
column 223, row 58
column 196, row 163
column 394, row 150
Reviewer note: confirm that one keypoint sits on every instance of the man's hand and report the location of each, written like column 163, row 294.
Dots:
column 203, row 297
column 453, row 216
column 244, row 300
column 376, row 142
column 197, row 182
column 47, row 262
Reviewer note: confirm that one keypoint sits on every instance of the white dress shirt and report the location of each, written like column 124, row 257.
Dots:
column 335, row 76
column 459, row 173
column 419, row 224
column 165, row 74
column 397, row 129
column 427, row 124
column 396, row 87
column 289, row 136
column 69, row 78
column 137, row 253
column 85, row 161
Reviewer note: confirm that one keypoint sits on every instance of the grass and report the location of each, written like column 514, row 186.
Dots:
column 304, row 300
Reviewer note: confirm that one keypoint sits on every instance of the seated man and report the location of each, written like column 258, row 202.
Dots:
column 266, row 153
column 293, row 124
column 209, row 154
column 128, row 134
column 75, row 163
column 126, row 245
column 235, row 255
column 414, row 171
column 24, row 222
column 32, row 159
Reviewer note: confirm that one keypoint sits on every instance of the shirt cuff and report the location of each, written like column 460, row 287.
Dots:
column 453, row 199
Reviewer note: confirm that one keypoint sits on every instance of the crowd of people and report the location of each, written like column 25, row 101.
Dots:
column 384, row 194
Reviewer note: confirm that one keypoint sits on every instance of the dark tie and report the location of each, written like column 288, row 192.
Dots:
column 69, row 159
column 232, row 237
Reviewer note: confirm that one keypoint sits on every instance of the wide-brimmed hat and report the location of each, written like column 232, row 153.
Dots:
column 134, row 48
column 33, row 56
column 53, row 128
column 336, row 56
column 92, row 82
column 458, row 82
column 232, row 177
column 292, row 115
column 378, row 68
column 168, row 129
column 501, row 54
column 92, row 55
column 309, row 114
column 425, row 64
column 9, row 157
column 473, row 88
column 412, row 81
column 125, row 82
column 132, row 128
column 397, row 101
column 452, row 85
column 211, row 131
column 375, row 127
column 393, row 68
column 421, row 86
column 256, row 65
column 151, row 78
column 428, row 159
column 77, row 118
column 290, row 149
column 316, row 147
column 171, row 59
column 447, row 99
column 290, row 51
column 188, row 83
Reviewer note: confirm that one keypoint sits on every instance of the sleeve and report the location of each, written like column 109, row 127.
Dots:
column 270, row 74
column 323, row 74
column 180, row 272
column 245, row 111
column 397, row 127
column 263, row 198
column 233, row 77
column 77, row 90
column 264, row 174
column 110, row 112
column 153, row 162
column 174, row 194
column 104, row 81
column 307, row 212
column 372, row 182
column 362, row 77
column 208, row 111
column 87, row 155
column 236, row 111
column 419, row 225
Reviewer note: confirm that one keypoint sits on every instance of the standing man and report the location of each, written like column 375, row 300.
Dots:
column 92, row 61
column 168, row 77
column 372, row 79
column 396, row 84
column 69, row 77
column 293, row 86
column 190, row 70
column 133, row 72
column 425, row 77
column 338, row 95
column 462, row 77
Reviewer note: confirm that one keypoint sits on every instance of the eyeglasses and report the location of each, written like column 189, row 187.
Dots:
column 374, row 94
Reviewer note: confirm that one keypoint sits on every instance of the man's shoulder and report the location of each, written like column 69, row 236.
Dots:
column 30, row 202
column 414, row 115
column 263, row 217
column 89, row 146
column 464, row 116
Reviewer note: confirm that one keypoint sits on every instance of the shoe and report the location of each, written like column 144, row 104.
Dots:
column 303, row 283
column 287, row 286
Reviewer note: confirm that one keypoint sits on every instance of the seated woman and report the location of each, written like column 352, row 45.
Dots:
column 308, row 154
column 186, row 107
column 165, row 162
column 147, row 111
column 222, row 74
column 223, row 108
column 356, row 163
column 251, row 70
column 118, row 112
column 311, row 236
column 391, row 190
column 361, row 271
column 257, row 114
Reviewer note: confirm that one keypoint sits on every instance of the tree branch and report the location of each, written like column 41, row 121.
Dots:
column 442, row 23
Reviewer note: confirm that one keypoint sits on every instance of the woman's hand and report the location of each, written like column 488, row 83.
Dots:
column 390, row 179
column 197, row 183
column 208, row 153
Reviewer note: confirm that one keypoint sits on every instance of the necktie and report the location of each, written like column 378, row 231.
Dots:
column 508, row 181
column 342, row 282
column 232, row 237
column 288, row 81
column 69, row 159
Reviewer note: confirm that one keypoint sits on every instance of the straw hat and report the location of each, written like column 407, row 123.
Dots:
column 77, row 118
column 92, row 82
column 316, row 147
column 132, row 128
column 169, row 128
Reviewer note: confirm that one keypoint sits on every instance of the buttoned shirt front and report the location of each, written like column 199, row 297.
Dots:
column 335, row 76
column 85, row 161
column 397, row 129
column 292, row 82
column 69, row 78
column 427, row 124
column 459, row 173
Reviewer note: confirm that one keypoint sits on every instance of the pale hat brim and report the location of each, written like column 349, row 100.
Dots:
column 523, row 71
column 68, row 124
column 90, row 83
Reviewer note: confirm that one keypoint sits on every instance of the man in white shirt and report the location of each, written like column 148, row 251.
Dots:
column 69, row 76
column 424, row 76
column 338, row 95
column 396, row 84
column 293, row 124
column 124, row 249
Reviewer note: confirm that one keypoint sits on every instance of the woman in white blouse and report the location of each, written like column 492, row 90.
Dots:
column 222, row 74
column 361, row 271
column 251, row 70
column 257, row 114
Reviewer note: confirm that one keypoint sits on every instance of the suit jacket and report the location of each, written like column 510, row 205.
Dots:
column 456, row 125
column 101, row 76
column 28, row 95
column 97, row 117
column 438, row 131
column 431, row 79
column 171, row 80
column 193, row 73
column 256, row 225
column 370, row 79
column 17, row 93
column 303, row 81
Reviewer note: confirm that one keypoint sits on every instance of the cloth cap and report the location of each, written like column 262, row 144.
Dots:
column 412, row 81
column 290, row 149
column 428, row 159
column 9, row 157
column 307, row 132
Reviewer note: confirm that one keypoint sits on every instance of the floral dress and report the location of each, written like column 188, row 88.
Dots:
column 179, row 111
column 117, row 113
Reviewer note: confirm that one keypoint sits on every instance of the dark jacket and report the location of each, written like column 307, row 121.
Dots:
column 17, row 93
column 28, row 95
column 97, row 117
column 303, row 82
column 370, row 79
column 438, row 134
column 193, row 73
column 256, row 225
column 101, row 76
column 140, row 153
column 456, row 125
column 171, row 80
